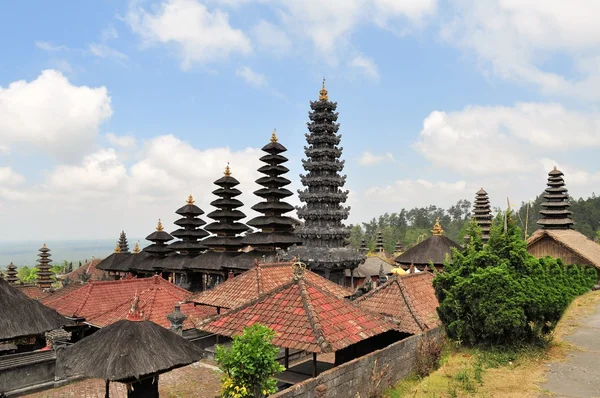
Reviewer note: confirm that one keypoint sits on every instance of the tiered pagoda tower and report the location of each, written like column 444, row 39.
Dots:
column 159, row 239
column 277, row 230
column 44, row 280
column 190, row 231
column 399, row 248
column 555, row 213
column 363, row 246
column 123, row 244
column 379, row 243
column 226, row 226
column 11, row 274
column 323, row 232
column 482, row 213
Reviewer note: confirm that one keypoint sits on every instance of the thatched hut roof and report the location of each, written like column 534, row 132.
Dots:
column 371, row 267
column 433, row 249
column 23, row 316
column 128, row 350
column 573, row 240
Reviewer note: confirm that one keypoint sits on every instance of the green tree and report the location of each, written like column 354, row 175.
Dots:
column 26, row 274
column 499, row 294
column 250, row 364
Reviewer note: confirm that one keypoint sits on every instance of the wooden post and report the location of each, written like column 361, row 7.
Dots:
column 314, row 364
column 352, row 278
column 107, row 390
column 286, row 359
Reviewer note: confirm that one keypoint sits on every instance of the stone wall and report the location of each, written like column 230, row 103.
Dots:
column 24, row 370
column 365, row 376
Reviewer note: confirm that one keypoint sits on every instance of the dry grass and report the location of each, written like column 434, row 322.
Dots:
column 471, row 373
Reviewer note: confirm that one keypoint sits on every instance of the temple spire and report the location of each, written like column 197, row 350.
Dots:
column 555, row 213
column 159, row 239
column 277, row 230
column 437, row 228
column 482, row 213
column 11, row 274
column 363, row 246
column 44, row 274
column 379, row 243
column 190, row 230
column 123, row 244
column 323, row 94
column 226, row 225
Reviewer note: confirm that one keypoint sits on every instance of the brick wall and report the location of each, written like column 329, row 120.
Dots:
column 365, row 376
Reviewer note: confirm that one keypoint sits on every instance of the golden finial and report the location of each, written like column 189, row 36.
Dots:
column 190, row 200
column 323, row 96
column 44, row 246
column 136, row 248
column 227, row 171
column 159, row 226
column 437, row 228
column 117, row 248
column 555, row 168
column 274, row 135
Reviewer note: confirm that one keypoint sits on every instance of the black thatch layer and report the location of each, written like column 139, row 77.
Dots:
column 159, row 238
column 379, row 242
column 123, row 245
column 555, row 213
column 277, row 230
column 128, row 350
column 44, row 274
column 433, row 249
column 22, row 316
column 190, row 231
column 482, row 213
column 324, row 258
column 11, row 274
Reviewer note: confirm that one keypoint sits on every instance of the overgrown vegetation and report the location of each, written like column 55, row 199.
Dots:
column 250, row 364
column 499, row 294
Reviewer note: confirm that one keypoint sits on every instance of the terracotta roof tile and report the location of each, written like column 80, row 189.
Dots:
column 87, row 268
column 33, row 291
column 305, row 317
column 263, row 278
column 409, row 300
column 104, row 302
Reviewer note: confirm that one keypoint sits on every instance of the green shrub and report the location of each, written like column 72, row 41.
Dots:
column 499, row 294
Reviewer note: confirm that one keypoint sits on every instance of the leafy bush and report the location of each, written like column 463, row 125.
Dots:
column 499, row 294
column 249, row 364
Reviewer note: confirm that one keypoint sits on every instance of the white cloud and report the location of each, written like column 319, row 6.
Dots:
column 104, row 51
column 412, row 192
column 52, row 114
column 109, row 34
column 49, row 47
column 271, row 38
column 252, row 78
column 367, row 66
column 121, row 141
column 199, row 35
column 369, row 159
column 9, row 177
column 516, row 38
column 496, row 139
column 413, row 10
column 63, row 66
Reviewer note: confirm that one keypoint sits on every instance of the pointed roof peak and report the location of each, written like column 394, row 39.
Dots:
column 227, row 172
column 274, row 135
column 136, row 248
column 323, row 95
column 190, row 200
column 437, row 228
column 117, row 248
column 159, row 226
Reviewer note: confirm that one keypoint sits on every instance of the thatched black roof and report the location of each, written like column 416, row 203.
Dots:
column 433, row 249
column 321, row 258
column 128, row 350
column 23, row 316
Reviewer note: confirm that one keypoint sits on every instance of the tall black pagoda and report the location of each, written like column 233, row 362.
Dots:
column 379, row 243
column 277, row 230
column 44, row 275
column 482, row 213
column 123, row 244
column 323, row 233
column 11, row 274
column 190, row 231
column 226, row 225
column 555, row 213
column 159, row 239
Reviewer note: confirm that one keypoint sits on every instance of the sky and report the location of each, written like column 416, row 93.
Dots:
column 112, row 112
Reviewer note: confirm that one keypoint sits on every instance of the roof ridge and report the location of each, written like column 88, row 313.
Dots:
column 85, row 299
column 380, row 287
column 149, row 306
column 409, row 305
column 313, row 318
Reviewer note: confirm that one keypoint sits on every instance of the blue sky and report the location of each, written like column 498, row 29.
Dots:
column 112, row 112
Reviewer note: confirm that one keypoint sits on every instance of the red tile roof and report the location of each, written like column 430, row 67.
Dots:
column 33, row 291
column 409, row 300
column 304, row 317
column 87, row 268
column 261, row 279
column 104, row 302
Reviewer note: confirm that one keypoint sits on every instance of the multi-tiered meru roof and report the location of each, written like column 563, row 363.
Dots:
column 226, row 225
column 190, row 231
column 277, row 230
column 11, row 274
column 482, row 213
column 123, row 245
column 323, row 212
column 159, row 239
column 555, row 213
column 44, row 274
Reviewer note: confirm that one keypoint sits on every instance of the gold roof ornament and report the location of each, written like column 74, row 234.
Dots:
column 159, row 226
column 136, row 248
column 323, row 95
column 274, row 135
column 437, row 228
column 44, row 246
column 227, row 171
column 190, row 200
column 298, row 269
column 117, row 248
